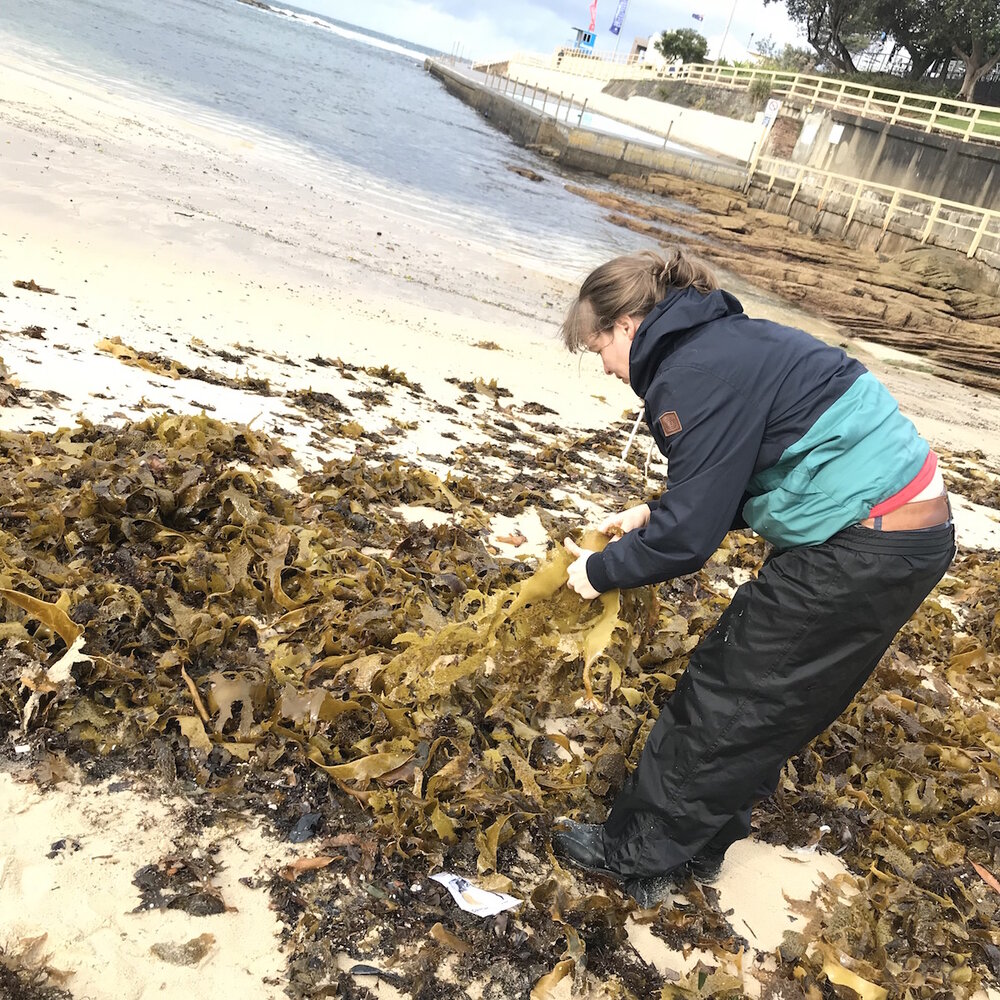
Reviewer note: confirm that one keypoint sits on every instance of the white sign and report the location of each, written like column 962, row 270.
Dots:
column 835, row 133
column 771, row 110
column 808, row 133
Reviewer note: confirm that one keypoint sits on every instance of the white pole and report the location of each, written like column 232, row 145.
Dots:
column 725, row 34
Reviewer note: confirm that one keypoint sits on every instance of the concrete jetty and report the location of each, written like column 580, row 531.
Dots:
column 575, row 145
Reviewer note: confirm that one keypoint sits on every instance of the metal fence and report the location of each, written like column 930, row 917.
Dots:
column 978, row 122
column 557, row 105
column 953, row 224
column 928, row 113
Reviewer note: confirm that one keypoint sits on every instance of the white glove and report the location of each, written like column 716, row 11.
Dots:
column 626, row 520
column 577, row 570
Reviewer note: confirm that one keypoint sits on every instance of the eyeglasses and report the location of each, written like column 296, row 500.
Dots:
column 600, row 340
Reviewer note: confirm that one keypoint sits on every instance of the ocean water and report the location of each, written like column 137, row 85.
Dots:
column 371, row 119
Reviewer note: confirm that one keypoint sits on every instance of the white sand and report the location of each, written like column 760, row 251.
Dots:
column 92, row 184
column 82, row 897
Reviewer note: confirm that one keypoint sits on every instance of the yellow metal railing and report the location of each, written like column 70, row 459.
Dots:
column 924, row 111
column 931, row 114
column 953, row 224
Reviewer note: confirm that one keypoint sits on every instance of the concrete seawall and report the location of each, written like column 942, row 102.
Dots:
column 578, row 148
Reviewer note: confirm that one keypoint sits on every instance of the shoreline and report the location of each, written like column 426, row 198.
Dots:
column 430, row 372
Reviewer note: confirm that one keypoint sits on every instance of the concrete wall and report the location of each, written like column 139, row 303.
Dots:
column 525, row 127
column 700, row 129
column 865, row 231
column 930, row 163
column 738, row 104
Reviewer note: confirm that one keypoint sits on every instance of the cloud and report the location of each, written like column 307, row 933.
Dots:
column 485, row 28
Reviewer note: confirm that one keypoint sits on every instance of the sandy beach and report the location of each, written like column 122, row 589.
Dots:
column 171, row 267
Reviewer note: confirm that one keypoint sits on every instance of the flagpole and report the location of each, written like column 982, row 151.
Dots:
column 618, row 38
column 725, row 34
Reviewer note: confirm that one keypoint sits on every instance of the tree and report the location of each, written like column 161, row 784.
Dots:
column 789, row 59
column 685, row 44
column 836, row 29
column 934, row 32
column 975, row 39
column 919, row 27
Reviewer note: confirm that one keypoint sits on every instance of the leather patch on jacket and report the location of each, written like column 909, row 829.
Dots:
column 670, row 423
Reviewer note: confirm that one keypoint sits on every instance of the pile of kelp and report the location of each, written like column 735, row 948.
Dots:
column 411, row 701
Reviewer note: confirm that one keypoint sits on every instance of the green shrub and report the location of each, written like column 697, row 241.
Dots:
column 759, row 90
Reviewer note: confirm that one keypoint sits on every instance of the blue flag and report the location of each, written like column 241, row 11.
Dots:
column 616, row 24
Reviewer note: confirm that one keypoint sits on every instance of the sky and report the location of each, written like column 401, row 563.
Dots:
column 487, row 28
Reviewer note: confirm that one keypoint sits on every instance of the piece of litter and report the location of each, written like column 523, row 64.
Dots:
column 22, row 748
column 515, row 538
column 820, row 834
column 392, row 978
column 472, row 899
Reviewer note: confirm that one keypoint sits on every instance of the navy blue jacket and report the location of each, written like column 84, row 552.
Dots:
column 761, row 424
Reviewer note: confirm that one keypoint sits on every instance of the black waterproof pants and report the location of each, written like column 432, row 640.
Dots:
column 785, row 659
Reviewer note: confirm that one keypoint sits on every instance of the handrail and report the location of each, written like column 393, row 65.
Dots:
column 970, row 224
column 980, row 122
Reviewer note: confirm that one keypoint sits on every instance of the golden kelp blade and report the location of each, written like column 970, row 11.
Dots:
column 432, row 664
column 545, row 987
column 551, row 575
column 366, row 768
column 516, row 636
column 50, row 615
column 840, row 976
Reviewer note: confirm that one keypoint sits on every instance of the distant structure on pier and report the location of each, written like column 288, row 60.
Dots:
column 640, row 47
column 585, row 39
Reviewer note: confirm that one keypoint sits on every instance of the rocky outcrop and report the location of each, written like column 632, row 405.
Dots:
column 926, row 301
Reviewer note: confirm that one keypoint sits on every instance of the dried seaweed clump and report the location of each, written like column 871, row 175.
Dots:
column 26, row 975
column 9, row 391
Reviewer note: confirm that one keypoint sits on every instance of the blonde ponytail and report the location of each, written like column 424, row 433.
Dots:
column 630, row 286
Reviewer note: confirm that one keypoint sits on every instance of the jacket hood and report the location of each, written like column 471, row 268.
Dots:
column 679, row 313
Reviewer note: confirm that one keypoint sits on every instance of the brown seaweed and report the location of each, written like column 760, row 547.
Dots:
column 436, row 706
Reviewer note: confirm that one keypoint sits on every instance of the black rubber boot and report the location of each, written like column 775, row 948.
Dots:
column 582, row 844
column 647, row 892
column 706, row 867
